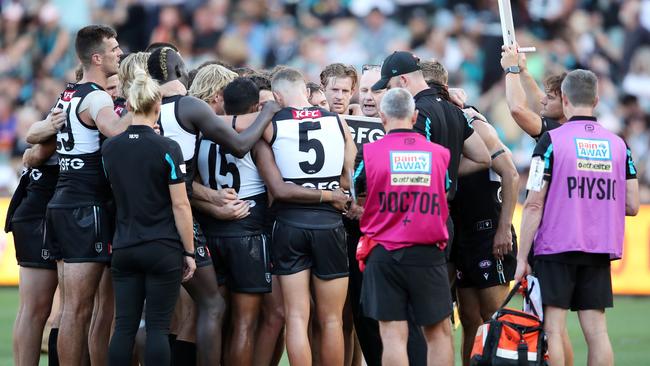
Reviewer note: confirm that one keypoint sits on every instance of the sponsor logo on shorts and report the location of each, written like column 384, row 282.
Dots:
column 459, row 274
column 267, row 275
column 45, row 254
column 484, row 225
column 36, row 174
column 485, row 264
column 410, row 168
column 99, row 246
column 200, row 251
column 486, row 275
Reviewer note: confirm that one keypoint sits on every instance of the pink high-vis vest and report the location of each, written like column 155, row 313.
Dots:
column 585, row 203
column 406, row 202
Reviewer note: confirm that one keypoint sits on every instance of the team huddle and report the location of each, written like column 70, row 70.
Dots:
column 218, row 215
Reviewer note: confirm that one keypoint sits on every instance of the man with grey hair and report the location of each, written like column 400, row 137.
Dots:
column 403, row 178
column 582, row 184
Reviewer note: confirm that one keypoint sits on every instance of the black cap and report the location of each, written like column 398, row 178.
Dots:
column 399, row 63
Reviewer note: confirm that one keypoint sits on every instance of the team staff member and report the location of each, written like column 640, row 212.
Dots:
column 534, row 110
column 77, row 222
column 438, row 119
column 38, row 276
column 405, row 177
column 312, row 148
column 584, row 175
column 153, row 247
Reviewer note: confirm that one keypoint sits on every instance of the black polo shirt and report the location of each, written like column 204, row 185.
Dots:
column 547, row 125
column 141, row 165
column 443, row 123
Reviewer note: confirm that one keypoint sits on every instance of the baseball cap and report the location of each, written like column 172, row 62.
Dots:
column 398, row 63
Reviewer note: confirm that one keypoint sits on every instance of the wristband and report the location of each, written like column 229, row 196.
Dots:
column 188, row 254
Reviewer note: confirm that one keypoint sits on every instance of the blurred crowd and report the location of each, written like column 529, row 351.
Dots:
column 610, row 37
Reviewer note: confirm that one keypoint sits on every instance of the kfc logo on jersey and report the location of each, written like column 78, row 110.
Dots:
column 67, row 95
column 306, row 113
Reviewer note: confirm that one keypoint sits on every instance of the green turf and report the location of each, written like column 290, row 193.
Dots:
column 629, row 329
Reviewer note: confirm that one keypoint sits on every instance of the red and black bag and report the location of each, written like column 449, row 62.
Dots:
column 511, row 338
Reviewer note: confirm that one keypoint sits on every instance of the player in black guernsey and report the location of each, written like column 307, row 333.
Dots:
column 38, row 276
column 312, row 147
column 182, row 119
column 484, row 250
column 77, row 221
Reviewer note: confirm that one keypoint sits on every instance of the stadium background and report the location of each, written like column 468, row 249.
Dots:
column 610, row 37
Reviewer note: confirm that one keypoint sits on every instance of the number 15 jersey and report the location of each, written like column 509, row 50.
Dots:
column 309, row 148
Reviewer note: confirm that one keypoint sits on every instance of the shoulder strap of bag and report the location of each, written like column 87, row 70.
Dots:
column 512, row 293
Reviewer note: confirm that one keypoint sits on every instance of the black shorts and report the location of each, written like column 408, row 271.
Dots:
column 476, row 266
column 395, row 280
column 201, row 251
column 574, row 286
column 296, row 249
column 28, row 241
column 79, row 235
column 242, row 263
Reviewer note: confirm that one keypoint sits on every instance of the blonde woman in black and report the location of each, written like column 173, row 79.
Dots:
column 153, row 248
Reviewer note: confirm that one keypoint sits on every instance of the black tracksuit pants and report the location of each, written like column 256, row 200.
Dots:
column 148, row 272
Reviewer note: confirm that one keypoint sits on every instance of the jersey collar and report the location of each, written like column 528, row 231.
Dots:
column 140, row 128
column 582, row 118
column 400, row 130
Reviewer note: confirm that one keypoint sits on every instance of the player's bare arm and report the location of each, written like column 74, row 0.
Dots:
column 289, row 192
column 39, row 153
column 42, row 131
column 530, row 221
column 631, row 197
column 221, row 204
column 475, row 156
column 503, row 165
column 109, row 123
column 526, row 118
column 217, row 130
column 534, row 93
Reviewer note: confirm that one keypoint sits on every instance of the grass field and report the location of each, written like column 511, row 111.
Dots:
column 629, row 329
